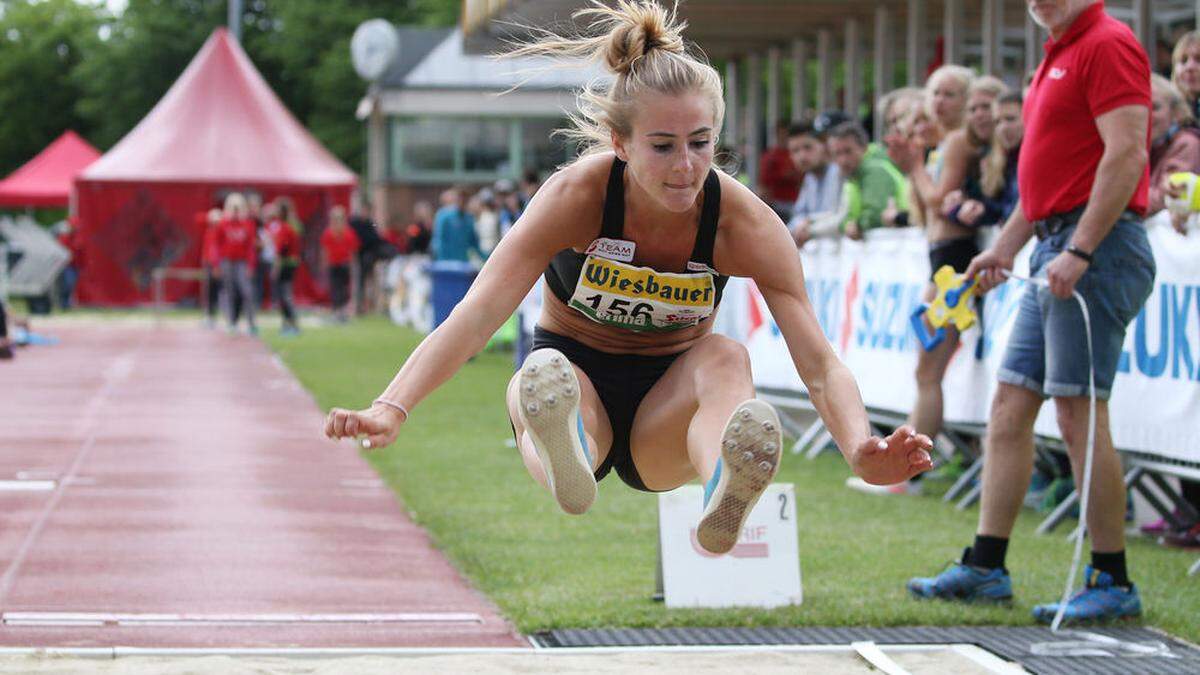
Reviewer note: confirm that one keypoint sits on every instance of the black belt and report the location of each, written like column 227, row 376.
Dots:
column 1058, row 222
column 1055, row 223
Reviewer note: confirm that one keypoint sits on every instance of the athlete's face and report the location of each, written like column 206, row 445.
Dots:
column 670, row 148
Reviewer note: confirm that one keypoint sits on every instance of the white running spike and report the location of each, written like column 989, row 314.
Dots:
column 550, row 412
column 752, row 459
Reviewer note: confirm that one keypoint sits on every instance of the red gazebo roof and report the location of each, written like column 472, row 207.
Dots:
column 45, row 180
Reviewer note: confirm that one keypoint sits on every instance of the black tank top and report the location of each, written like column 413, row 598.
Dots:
column 603, row 285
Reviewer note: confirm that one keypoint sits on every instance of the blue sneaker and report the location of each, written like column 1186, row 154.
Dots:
column 1098, row 600
column 965, row 583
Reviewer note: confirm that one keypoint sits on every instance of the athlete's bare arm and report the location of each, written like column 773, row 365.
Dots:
column 551, row 222
column 753, row 242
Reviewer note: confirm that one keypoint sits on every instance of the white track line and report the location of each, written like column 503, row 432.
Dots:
column 78, row 619
column 26, row 485
column 117, row 371
column 872, row 654
column 340, row 652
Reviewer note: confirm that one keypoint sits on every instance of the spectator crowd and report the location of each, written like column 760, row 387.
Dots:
column 946, row 161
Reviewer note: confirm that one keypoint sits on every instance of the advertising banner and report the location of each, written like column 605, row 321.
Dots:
column 864, row 292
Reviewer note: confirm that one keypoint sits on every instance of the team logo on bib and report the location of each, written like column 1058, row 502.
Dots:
column 613, row 249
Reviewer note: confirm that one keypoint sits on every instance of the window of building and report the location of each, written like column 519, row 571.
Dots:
column 452, row 149
column 542, row 149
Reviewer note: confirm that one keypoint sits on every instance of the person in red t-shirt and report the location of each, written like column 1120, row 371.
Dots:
column 1083, row 178
column 778, row 178
column 284, row 229
column 235, row 241
column 338, row 246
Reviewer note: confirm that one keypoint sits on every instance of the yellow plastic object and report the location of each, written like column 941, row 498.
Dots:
column 952, row 304
column 1189, row 202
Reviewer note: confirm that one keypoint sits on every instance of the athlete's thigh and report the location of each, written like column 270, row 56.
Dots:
column 595, row 418
column 658, row 439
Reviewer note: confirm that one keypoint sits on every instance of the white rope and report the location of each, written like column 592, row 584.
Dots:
column 1086, row 489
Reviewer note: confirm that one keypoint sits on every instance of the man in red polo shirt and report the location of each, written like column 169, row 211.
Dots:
column 1083, row 181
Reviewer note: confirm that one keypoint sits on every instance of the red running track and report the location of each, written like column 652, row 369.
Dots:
column 170, row 487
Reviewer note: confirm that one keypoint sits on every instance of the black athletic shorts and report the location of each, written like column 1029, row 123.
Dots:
column 956, row 253
column 622, row 381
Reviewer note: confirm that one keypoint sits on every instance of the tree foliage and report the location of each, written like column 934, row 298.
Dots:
column 67, row 64
column 41, row 45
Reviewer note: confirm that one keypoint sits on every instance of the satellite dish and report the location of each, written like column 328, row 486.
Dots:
column 373, row 48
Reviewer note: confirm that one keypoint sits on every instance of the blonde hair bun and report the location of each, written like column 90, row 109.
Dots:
column 636, row 29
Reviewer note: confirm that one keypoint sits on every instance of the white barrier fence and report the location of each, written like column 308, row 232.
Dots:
column 864, row 292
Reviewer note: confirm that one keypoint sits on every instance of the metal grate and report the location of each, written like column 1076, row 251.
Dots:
column 1010, row 642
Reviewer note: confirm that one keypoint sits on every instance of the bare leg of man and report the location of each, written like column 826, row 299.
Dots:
column 1007, row 458
column 1106, row 507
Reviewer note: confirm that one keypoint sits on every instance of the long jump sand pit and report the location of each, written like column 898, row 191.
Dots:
column 851, row 659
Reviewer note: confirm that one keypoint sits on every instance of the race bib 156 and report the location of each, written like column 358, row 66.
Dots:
column 642, row 299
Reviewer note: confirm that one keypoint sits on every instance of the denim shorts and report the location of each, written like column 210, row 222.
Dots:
column 1047, row 351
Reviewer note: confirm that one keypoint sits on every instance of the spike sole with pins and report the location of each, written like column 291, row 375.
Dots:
column 750, row 453
column 549, row 395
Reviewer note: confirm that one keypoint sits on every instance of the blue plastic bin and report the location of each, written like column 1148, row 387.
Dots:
column 450, row 280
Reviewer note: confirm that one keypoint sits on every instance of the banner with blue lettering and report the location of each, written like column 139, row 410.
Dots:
column 864, row 292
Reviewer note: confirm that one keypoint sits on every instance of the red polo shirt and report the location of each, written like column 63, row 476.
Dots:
column 1097, row 66
column 339, row 246
column 285, row 238
column 236, row 239
column 778, row 175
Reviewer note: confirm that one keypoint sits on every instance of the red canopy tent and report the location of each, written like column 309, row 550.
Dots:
column 219, row 129
column 45, row 181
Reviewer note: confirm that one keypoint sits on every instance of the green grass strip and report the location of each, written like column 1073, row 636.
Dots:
column 544, row 569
